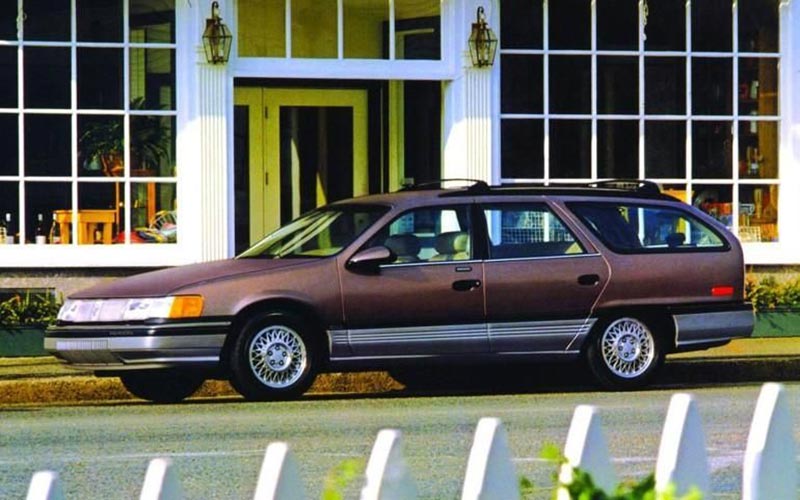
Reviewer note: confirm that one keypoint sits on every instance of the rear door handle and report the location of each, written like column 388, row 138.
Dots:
column 466, row 285
column 588, row 279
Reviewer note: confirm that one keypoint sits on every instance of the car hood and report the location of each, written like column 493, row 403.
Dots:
column 172, row 280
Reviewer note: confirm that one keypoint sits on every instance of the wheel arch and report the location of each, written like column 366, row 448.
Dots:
column 656, row 317
column 274, row 305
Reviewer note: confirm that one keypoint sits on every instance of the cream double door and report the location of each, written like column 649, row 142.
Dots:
column 306, row 148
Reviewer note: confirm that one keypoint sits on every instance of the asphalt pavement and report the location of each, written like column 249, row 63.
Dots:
column 45, row 380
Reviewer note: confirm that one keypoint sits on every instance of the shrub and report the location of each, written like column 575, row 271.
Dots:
column 769, row 294
column 39, row 309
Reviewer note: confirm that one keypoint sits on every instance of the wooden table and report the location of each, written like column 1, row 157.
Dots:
column 90, row 221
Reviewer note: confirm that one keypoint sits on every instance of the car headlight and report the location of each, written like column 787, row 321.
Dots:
column 139, row 309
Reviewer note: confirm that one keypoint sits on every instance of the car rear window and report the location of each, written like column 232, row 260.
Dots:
column 634, row 228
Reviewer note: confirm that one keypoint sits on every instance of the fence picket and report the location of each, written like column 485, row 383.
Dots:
column 682, row 461
column 387, row 477
column 161, row 481
column 490, row 473
column 769, row 470
column 279, row 478
column 45, row 486
column 586, row 449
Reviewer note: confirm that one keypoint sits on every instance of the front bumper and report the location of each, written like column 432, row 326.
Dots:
column 716, row 324
column 142, row 346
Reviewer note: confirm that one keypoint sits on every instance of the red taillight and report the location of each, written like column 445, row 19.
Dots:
column 722, row 291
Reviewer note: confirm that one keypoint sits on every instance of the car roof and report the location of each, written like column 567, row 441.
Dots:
column 427, row 192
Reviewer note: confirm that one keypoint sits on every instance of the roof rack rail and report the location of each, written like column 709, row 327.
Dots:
column 638, row 185
column 475, row 186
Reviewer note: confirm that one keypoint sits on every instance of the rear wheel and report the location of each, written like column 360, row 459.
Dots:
column 624, row 353
column 161, row 386
column 274, row 358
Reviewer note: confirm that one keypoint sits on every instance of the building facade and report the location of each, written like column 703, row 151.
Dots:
column 125, row 149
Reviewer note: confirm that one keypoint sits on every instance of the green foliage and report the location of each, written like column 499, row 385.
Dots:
column 31, row 309
column 583, row 487
column 340, row 477
column 768, row 294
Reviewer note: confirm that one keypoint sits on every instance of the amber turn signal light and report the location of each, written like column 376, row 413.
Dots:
column 186, row 306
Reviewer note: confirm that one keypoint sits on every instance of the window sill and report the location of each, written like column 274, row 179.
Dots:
column 101, row 256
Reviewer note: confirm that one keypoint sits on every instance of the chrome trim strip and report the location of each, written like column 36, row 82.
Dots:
column 136, row 326
column 548, row 257
column 417, row 334
column 704, row 327
column 430, row 263
column 570, row 327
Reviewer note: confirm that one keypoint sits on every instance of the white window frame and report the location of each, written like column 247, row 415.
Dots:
column 787, row 249
column 23, row 254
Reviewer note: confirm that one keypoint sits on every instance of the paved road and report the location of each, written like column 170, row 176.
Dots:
column 102, row 451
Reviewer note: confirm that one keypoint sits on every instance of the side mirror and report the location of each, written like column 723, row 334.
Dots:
column 370, row 259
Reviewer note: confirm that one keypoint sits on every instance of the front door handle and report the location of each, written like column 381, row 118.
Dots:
column 588, row 279
column 466, row 285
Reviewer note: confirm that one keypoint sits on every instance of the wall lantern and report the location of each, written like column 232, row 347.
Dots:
column 482, row 42
column 216, row 38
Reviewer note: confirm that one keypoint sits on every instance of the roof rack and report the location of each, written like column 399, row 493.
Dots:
column 475, row 186
column 638, row 185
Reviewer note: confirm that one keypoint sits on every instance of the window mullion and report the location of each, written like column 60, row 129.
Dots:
column 593, row 86
column 546, row 88
column 688, row 83
column 640, row 104
column 288, row 28
column 735, row 125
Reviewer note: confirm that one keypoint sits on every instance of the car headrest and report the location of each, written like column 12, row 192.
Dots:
column 403, row 244
column 452, row 242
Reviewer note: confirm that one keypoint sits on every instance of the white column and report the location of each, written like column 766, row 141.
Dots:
column 470, row 101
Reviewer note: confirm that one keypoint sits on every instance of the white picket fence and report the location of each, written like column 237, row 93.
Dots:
column 769, row 469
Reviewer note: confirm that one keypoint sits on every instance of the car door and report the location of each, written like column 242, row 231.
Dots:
column 430, row 300
column 541, row 280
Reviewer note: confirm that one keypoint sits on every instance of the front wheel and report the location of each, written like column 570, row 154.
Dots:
column 161, row 386
column 623, row 353
column 274, row 358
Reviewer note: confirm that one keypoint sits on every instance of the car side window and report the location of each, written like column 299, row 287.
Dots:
column 631, row 228
column 432, row 234
column 527, row 230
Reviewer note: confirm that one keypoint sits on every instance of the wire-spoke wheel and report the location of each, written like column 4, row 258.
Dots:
column 273, row 358
column 624, row 353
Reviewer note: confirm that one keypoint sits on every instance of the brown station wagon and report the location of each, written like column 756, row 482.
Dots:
column 616, row 274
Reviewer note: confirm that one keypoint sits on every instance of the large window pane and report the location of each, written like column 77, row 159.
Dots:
column 665, row 149
column 46, row 20
column 570, row 148
column 9, row 143
column 47, row 145
column 618, row 149
column 618, row 25
column 570, row 84
column 314, row 28
column 570, row 24
column 758, row 25
column 758, row 213
column 711, row 86
column 712, row 24
column 758, row 86
column 8, row 21
column 617, row 85
column 522, row 78
column 152, row 146
column 100, row 209
column 153, row 217
column 99, row 20
column 8, row 77
column 665, row 85
column 99, row 78
column 152, row 79
column 47, row 77
column 156, row 18
column 521, row 24
column 522, row 150
column 51, row 201
column 365, row 28
column 711, row 150
column 417, row 38
column 758, row 150
column 262, row 28
column 101, row 146
column 666, row 26
column 716, row 201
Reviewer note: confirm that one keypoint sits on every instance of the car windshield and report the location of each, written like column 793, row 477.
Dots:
column 319, row 233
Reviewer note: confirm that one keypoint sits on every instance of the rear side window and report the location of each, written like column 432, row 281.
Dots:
column 527, row 230
column 631, row 228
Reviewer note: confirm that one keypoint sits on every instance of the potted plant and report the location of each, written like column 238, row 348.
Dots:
column 103, row 143
column 23, row 320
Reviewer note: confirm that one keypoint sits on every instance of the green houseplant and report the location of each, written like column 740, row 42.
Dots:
column 23, row 320
column 102, row 144
column 777, row 305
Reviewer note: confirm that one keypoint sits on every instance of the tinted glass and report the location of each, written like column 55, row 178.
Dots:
column 527, row 230
column 631, row 228
column 436, row 234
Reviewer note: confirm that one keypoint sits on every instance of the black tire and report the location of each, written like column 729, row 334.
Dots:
column 161, row 386
column 274, row 357
column 624, row 353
